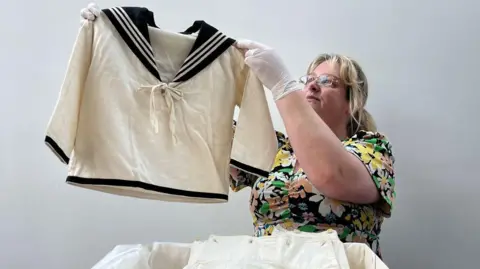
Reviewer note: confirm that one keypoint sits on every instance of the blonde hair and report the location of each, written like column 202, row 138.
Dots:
column 356, row 82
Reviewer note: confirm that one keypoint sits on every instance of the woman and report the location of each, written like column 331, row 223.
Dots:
column 334, row 170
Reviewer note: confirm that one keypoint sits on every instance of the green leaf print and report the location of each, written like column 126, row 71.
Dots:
column 346, row 231
column 264, row 208
column 278, row 184
column 308, row 228
column 286, row 169
column 285, row 214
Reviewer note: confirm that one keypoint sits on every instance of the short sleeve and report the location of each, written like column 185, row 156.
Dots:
column 244, row 179
column 375, row 151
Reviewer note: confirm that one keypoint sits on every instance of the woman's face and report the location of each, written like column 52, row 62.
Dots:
column 327, row 94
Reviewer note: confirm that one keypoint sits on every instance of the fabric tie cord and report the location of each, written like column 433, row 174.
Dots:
column 171, row 95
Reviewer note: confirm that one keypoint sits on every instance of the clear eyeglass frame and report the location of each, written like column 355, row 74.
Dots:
column 322, row 80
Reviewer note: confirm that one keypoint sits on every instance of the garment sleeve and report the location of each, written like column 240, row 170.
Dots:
column 254, row 143
column 375, row 151
column 244, row 179
column 62, row 126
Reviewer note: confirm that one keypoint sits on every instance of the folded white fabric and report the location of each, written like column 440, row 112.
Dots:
column 288, row 250
column 284, row 249
column 330, row 239
column 146, row 256
column 221, row 264
column 358, row 255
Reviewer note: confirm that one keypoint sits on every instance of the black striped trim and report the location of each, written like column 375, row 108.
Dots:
column 208, row 46
column 56, row 150
column 145, row 186
column 134, row 31
column 132, row 24
column 248, row 169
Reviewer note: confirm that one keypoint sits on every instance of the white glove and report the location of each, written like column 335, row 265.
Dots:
column 269, row 68
column 90, row 12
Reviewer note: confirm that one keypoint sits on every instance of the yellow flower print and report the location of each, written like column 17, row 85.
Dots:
column 364, row 153
column 383, row 180
column 370, row 215
column 269, row 230
column 369, row 156
column 363, row 217
column 281, row 155
column 358, row 224
column 349, row 142
column 287, row 161
column 376, row 162
column 283, row 159
column 288, row 224
column 364, row 148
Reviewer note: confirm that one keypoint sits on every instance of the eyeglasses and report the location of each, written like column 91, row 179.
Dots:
column 322, row 80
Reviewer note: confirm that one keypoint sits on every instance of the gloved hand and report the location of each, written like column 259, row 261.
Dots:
column 269, row 68
column 90, row 12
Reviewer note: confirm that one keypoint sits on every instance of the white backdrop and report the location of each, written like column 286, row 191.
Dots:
column 421, row 58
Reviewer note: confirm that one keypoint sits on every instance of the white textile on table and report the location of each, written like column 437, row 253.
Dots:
column 146, row 256
column 284, row 249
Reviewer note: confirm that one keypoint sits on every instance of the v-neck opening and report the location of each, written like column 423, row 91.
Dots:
column 197, row 27
column 163, row 66
column 132, row 23
column 207, row 40
column 208, row 45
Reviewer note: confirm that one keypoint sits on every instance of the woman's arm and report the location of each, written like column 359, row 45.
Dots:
column 329, row 167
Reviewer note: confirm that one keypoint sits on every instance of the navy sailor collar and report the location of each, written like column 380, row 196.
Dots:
column 132, row 24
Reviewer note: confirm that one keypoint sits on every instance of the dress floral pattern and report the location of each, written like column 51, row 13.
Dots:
column 288, row 199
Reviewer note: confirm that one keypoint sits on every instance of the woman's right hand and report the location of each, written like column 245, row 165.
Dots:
column 90, row 12
column 269, row 67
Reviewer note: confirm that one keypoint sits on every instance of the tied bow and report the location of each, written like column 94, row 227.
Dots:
column 171, row 95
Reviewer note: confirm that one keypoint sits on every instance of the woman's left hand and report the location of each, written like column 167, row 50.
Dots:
column 269, row 68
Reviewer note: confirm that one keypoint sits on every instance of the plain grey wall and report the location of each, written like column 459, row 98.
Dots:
column 422, row 61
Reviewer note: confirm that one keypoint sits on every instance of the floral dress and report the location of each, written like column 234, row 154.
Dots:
column 288, row 199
